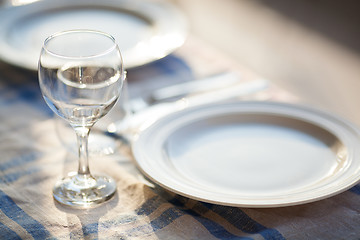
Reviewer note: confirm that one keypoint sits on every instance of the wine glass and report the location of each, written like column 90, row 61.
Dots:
column 108, row 135
column 81, row 75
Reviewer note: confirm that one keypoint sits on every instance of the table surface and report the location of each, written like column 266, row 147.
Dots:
column 33, row 156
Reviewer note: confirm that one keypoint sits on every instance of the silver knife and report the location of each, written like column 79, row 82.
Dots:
column 209, row 83
column 144, row 118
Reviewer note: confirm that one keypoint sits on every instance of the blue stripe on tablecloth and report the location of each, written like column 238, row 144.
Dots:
column 214, row 228
column 173, row 213
column 20, row 160
column 146, row 209
column 15, row 213
column 90, row 229
column 15, row 162
column 242, row 221
column 233, row 215
column 150, row 206
column 29, row 94
column 165, row 72
column 171, row 64
column 7, row 233
column 355, row 189
column 12, row 177
column 166, row 218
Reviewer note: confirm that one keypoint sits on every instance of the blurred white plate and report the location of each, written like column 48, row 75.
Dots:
column 251, row 154
column 145, row 31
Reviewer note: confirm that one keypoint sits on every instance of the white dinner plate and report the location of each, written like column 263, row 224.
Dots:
column 145, row 31
column 251, row 154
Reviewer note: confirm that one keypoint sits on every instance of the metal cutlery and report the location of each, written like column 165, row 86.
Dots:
column 146, row 116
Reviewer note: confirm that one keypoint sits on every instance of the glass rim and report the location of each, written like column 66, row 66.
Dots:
column 60, row 33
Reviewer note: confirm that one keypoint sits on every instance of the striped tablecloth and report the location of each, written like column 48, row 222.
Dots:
column 32, row 158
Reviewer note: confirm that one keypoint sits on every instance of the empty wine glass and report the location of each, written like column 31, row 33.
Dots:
column 81, row 76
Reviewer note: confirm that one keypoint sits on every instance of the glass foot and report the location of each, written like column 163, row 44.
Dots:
column 84, row 191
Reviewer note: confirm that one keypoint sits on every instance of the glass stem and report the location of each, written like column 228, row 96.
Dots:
column 82, row 134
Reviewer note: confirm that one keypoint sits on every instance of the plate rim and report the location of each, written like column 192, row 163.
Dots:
column 177, row 21
column 320, row 194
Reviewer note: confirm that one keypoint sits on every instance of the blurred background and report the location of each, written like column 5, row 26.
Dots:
column 310, row 47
